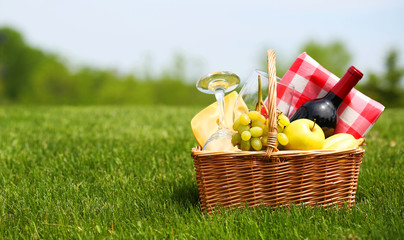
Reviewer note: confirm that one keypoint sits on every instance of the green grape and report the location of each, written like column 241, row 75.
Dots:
column 256, row 131
column 280, row 128
column 243, row 128
column 244, row 119
column 245, row 145
column 265, row 131
column 254, row 115
column 262, row 119
column 236, row 139
column 246, row 135
column 283, row 120
column 264, row 140
column 257, row 123
column 256, row 143
column 236, row 124
column 282, row 139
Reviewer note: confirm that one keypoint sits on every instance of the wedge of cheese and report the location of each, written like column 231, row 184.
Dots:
column 204, row 123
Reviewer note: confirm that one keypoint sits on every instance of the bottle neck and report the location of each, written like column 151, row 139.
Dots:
column 347, row 82
column 334, row 99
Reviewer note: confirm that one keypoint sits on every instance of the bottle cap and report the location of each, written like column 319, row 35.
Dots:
column 347, row 82
column 355, row 72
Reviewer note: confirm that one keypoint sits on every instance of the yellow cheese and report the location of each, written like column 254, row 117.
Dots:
column 204, row 123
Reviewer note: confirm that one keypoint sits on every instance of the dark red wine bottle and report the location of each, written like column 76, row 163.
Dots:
column 324, row 111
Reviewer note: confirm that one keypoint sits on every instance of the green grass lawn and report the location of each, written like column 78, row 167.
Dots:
column 126, row 172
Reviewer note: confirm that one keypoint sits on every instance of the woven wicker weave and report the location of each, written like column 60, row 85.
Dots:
column 272, row 177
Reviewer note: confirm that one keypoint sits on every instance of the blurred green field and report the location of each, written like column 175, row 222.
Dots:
column 126, row 172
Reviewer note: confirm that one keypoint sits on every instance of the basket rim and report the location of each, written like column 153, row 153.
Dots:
column 197, row 151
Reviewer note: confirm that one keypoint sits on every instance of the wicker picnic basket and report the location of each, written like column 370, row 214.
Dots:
column 276, row 178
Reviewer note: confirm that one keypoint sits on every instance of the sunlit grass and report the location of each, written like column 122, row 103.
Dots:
column 126, row 172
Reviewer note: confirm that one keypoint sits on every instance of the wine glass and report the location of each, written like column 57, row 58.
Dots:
column 248, row 96
column 218, row 83
column 284, row 97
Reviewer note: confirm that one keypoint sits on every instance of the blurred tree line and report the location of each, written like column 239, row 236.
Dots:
column 31, row 76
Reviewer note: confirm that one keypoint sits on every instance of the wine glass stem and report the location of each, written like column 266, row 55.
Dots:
column 219, row 94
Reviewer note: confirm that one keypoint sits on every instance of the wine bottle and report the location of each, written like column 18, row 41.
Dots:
column 324, row 111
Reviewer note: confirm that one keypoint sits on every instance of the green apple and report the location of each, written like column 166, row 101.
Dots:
column 304, row 134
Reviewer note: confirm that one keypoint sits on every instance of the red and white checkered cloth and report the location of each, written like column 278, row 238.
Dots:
column 357, row 113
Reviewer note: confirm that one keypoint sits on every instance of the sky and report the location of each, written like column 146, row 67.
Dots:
column 211, row 35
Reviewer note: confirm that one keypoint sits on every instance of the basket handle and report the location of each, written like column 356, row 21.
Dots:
column 272, row 116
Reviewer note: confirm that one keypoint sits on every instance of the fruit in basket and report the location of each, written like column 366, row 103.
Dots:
column 204, row 123
column 252, row 127
column 246, row 135
column 236, row 139
column 244, row 119
column 283, row 121
column 256, row 143
column 245, row 145
column 282, row 139
column 256, row 131
column 251, row 131
column 342, row 141
column 304, row 134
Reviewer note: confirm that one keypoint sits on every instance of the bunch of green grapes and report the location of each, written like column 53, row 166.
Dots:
column 283, row 121
column 252, row 132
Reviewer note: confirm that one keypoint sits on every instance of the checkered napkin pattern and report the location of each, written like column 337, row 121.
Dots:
column 357, row 113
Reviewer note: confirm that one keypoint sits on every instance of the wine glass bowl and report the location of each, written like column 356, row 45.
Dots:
column 248, row 96
column 284, row 97
column 220, row 79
